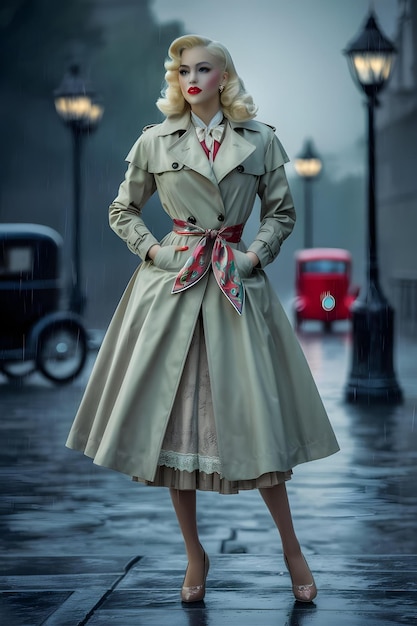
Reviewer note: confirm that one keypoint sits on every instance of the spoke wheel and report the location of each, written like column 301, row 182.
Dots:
column 62, row 351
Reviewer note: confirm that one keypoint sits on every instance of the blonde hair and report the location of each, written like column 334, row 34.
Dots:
column 236, row 103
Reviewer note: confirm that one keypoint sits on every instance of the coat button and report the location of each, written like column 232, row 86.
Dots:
column 220, row 217
column 192, row 220
column 240, row 169
column 175, row 165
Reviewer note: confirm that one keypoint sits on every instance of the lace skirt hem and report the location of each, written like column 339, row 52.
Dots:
column 183, row 480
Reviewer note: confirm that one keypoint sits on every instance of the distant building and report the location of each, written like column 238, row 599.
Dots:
column 397, row 173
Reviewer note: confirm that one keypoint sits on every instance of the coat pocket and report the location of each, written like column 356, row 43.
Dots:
column 167, row 258
column 244, row 264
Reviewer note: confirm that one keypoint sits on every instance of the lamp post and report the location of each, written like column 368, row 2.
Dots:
column 76, row 105
column 308, row 165
column 372, row 377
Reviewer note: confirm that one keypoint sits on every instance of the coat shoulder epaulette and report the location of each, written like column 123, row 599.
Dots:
column 145, row 128
column 253, row 125
column 267, row 125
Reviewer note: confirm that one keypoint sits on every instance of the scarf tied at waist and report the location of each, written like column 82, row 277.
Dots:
column 212, row 249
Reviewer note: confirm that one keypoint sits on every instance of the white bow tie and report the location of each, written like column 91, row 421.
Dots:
column 209, row 135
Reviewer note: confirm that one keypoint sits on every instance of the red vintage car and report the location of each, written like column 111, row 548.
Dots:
column 322, row 283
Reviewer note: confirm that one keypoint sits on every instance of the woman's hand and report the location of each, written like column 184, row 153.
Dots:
column 153, row 250
column 253, row 257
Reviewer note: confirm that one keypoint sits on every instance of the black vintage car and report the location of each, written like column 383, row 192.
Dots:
column 36, row 332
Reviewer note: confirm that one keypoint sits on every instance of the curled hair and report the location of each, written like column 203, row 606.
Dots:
column 236, row 103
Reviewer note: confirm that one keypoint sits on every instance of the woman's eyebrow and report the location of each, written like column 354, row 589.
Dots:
column 187, row 67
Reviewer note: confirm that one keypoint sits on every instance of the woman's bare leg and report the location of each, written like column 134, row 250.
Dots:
column 185, row 508
column 276, row 500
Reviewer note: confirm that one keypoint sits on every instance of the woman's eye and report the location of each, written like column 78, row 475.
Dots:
column 204, row 69
column 183, row 72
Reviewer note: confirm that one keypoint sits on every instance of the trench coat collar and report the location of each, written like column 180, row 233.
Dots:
column 187, row 150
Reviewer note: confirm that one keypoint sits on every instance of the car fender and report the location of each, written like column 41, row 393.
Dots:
column 49, row 320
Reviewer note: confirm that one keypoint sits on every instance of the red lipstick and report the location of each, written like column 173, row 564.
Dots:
column 193, row 91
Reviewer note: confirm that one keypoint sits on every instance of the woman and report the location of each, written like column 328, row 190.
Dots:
column 200, row 382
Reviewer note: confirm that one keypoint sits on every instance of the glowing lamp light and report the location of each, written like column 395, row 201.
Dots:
column 371, row 58
column 308, row 164
column 75, row 102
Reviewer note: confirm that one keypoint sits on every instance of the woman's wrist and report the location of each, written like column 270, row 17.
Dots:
column 253, row 257
column 152, row 251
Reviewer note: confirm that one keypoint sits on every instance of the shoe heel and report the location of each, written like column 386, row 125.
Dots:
column 302, row 593
column 197, row 592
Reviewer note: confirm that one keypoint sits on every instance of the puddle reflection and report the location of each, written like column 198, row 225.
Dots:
column 197, row 614
column 300, row 614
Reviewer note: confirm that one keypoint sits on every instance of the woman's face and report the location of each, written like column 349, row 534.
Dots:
column 200, row 75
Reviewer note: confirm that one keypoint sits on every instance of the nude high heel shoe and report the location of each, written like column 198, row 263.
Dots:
column 303, row 593
column 197, row 592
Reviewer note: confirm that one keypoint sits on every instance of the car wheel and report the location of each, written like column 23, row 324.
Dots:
column 62, row 351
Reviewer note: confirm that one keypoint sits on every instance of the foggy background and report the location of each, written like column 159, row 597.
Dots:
column 289, row 54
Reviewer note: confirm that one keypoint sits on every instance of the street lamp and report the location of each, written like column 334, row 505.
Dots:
column 372, row 377
column 77, row 106
column 308, row 165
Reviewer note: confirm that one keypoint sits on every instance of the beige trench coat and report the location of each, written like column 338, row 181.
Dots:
column 268, row 413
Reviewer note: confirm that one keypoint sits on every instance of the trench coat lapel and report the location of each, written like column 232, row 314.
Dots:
column 187, row 149
column 232, row 152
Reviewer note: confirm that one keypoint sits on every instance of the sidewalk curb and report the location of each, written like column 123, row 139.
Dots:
column 79, row 606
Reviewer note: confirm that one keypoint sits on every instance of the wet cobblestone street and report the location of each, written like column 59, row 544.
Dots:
column 72, row 531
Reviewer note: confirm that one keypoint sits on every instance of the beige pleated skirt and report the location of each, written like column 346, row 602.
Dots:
column 189, row 457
